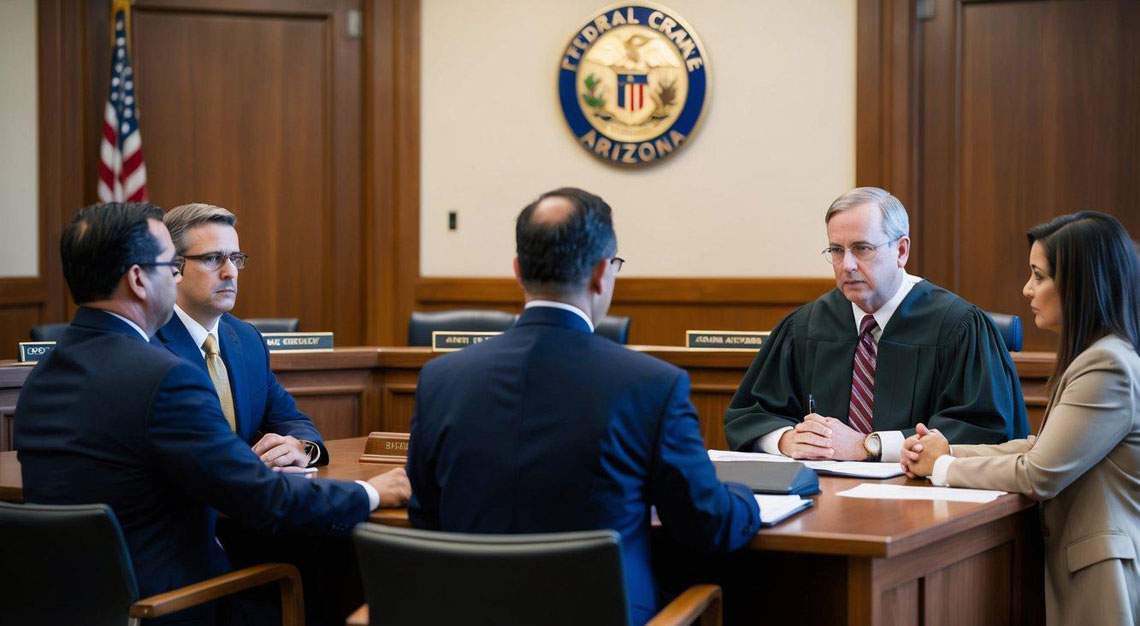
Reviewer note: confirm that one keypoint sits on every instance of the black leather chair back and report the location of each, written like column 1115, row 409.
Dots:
column 423, row 323
column 48, row 332
column 422, row 577
column 275, row 324
column 64, row 565
column 1010, row 328
column 615, row 328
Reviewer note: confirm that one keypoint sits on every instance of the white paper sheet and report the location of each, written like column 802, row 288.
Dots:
column 728, row 455
column 775, row 508
column 907, row 492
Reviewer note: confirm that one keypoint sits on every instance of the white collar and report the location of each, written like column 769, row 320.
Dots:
column 565, row 307
column 132, row 324
column 197, row 331
column 883, row 315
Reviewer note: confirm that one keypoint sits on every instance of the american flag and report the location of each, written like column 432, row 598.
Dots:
column 122, row 173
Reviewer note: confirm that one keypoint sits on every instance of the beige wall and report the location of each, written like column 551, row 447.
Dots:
column 745, row 198
column 19, row 226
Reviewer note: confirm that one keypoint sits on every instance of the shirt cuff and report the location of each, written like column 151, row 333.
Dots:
column 770, row 443
column 892, row 443
column 941, row 468
column 373, row 495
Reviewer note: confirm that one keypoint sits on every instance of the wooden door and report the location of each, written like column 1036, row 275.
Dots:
column 992, row 117
column 257, row 107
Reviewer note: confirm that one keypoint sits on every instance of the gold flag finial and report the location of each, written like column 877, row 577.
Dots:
column 125, row 7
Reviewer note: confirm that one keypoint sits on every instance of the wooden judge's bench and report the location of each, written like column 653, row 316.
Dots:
column 351, row 392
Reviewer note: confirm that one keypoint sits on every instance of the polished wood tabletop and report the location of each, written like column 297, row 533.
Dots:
column 834, row 525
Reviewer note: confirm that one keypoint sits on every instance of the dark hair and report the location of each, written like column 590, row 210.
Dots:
column 559, row 256
column 102, row 242
column 1094, row 266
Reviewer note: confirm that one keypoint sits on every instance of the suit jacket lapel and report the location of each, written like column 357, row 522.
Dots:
column 234, row 358
column 178, row 340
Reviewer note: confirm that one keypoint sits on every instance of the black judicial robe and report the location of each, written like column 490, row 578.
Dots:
column 941, row 361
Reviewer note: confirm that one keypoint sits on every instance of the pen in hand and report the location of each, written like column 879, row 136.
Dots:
column 811, row 404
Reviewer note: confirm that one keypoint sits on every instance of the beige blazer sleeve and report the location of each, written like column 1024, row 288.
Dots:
column 1016, row 446
column 1091, row 415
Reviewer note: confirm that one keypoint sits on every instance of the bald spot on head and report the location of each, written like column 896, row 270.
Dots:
column 552, row 210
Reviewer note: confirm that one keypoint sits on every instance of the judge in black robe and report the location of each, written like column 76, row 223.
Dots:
column 941, row 361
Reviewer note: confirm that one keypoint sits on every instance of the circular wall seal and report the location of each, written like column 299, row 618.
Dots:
column 634, row 83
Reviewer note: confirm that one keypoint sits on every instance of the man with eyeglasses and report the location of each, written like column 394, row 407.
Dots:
column 230, row 350
column 849, row 375
column 550, row 428
column 110, row 418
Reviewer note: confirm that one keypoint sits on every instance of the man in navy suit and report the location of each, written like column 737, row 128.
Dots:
column 110, row 418
column 204, row 235
column 551, row 428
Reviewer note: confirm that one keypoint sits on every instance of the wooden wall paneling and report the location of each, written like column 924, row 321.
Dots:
column 256, row 106
column 25, row 302
column 662, row 309
column 338, row 401
column 391, row 164
column 399, row 405
column 1016, row 113
column 1049, row 126
column 886, row 95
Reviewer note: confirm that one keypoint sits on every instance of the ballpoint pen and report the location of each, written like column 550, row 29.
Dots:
column 811, row 404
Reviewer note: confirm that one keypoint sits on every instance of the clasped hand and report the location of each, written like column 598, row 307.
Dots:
column 819, row 437
column 282, row 453
column 921, row 450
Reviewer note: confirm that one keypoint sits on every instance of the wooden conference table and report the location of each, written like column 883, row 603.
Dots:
column 844, row 561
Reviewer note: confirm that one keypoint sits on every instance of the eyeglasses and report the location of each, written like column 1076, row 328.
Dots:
column 862, row 251
column 176, row 265
column 214, row 260
column 617, row 262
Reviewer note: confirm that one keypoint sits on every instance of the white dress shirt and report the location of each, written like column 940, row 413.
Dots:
column 892, row 440
column 130, row 323
column 565, row 307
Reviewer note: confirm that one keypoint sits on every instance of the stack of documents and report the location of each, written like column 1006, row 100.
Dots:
column 857, row 469
column 774, row 509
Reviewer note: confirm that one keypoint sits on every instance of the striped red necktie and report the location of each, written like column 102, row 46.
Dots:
column 862, row 409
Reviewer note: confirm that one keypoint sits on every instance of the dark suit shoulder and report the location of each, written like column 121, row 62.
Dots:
column 244, row 329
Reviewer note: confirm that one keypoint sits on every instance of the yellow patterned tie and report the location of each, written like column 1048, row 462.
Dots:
column 221, row 379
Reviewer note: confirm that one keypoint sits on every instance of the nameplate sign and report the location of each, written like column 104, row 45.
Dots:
column 724, row 340
column 385, row 448
column 299, row 342
column 33, row 351
column 450, row 341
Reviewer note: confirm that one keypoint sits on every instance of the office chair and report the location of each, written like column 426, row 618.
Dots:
column 70, row 565
column 1010, row 328
column 275, row 324
column 424, row 577
column 423, row 323
column 48, row 332
column 615, row 328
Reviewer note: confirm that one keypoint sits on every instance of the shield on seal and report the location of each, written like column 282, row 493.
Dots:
column 631, row 91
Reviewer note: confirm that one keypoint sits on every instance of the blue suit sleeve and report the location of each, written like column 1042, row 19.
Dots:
column 190, row 440
column 282, row 415
column 423, row 507
column 694, row 506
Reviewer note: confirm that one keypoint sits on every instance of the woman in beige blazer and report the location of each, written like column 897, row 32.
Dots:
column 1085, row 461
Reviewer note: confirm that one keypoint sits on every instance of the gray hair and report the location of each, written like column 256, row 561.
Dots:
column 896, row 224
column 181, row 219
